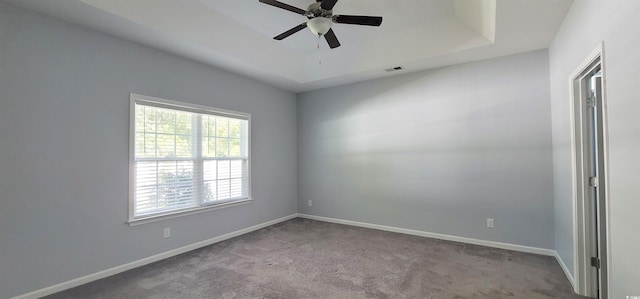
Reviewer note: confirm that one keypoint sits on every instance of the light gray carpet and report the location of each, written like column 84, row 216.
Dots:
column 310, row 259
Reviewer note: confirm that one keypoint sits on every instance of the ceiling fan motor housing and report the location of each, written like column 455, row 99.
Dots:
column 315, row 11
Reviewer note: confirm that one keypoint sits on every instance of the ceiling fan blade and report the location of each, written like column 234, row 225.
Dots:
column 358, row 20
column 284, row 6
column 328, row 4
column 332, row 40
column 291, row 31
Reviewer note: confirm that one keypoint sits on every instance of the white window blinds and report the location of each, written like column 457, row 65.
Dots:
column 186, row 157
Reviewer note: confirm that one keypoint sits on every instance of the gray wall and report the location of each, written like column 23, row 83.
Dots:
column 617, row 24
column 437, row 151
column 64, row 133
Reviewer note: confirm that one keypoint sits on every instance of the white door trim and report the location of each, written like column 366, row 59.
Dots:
column 580, row 238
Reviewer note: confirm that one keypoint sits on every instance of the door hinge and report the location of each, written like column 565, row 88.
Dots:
column 593, row 181
column 595, row 262
column 591, row 100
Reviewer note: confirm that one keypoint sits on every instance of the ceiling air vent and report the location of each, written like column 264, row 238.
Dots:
column 393, row 69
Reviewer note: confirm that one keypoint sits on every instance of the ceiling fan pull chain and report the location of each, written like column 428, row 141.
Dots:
column 318, row 47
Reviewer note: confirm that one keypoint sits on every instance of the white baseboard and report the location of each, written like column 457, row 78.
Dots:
column 521, row 248
column 566, row 271
column 148, row 260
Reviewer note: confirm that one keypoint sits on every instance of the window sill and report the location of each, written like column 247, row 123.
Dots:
column 153, row 218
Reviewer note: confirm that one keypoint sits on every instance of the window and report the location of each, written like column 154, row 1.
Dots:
column 186, row 158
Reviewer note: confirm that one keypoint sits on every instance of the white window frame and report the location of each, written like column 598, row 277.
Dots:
column 202, row 207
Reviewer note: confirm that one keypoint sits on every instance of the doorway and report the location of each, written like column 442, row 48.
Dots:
column 590, row 177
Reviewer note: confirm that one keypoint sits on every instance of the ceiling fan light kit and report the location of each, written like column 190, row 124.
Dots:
column 319, row 25
column 320, row 19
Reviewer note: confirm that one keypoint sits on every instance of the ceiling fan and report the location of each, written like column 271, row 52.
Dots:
column 321, row 18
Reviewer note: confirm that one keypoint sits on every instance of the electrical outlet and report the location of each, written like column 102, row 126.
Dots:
column 167, row 232
column 309, row 203
column 490, row 223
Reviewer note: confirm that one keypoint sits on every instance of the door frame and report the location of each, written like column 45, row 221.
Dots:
column 581, row 210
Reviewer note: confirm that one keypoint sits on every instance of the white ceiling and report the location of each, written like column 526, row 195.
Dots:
column 238, row 34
